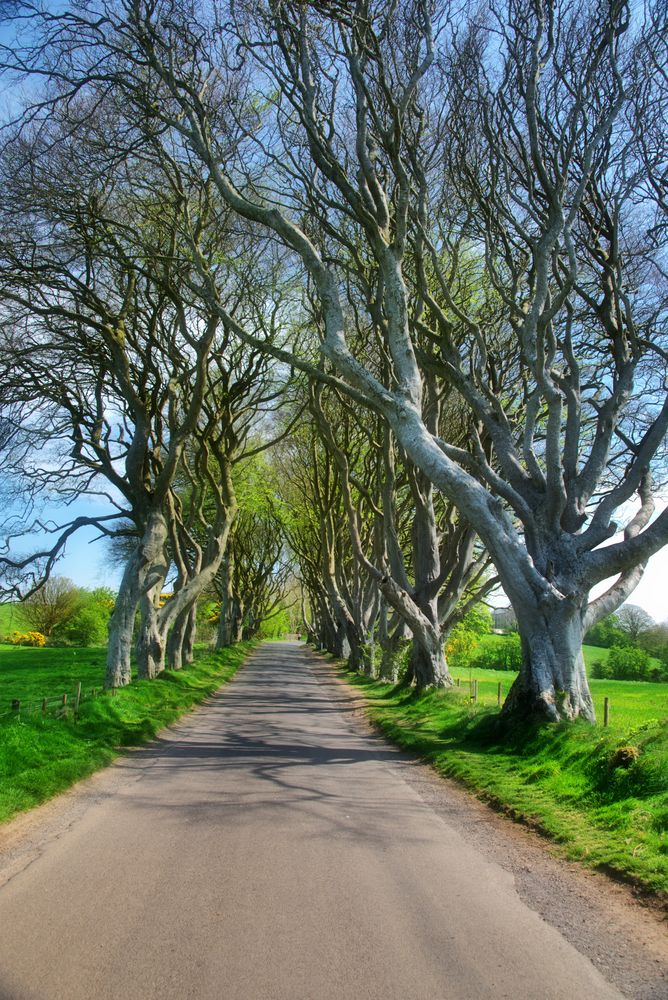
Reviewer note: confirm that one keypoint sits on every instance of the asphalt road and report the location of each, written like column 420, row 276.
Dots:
column 268, row 848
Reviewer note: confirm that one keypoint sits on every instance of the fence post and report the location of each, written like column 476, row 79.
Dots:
column 606, row 711
column 77, row 700
column 458, row 681
column 45, row 702
column 64, row 704
column 474, row 693
column 498, row 695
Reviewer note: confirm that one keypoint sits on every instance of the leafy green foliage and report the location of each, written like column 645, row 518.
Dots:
column 500, row 652
column 89, row 625
column 478, row 620
column 460, row 647
column 628, row 663
column 606, row 633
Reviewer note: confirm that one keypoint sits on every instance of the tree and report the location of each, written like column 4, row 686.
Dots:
column 54, row 606
column 114, row 344
column 606, row 633
column 634, row 621
column 89, row 626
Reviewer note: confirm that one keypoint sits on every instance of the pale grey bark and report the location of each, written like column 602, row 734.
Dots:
column 152, row 572
column 121, row 627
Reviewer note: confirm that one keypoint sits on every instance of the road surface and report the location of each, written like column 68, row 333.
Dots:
column 268, row 848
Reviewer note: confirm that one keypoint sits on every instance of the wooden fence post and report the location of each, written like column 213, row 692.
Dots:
column 458, row 681
column 474, row 693
column 77, row 700
column 498, row 695
column 45, row 702
column 606, row 711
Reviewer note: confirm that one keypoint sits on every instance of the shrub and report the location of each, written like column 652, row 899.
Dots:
column 460, row 647
column 503, row 652
column 628, row 663
column 26, row 639
column 601, row 670
column 89, row 625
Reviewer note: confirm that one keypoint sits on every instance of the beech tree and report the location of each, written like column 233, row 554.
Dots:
column 482, row 178
column 130, row 366
column 52, row 606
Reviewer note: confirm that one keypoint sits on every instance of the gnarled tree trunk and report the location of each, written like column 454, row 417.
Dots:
column 181, row 639
column 552, row 680
column 151, row 641
column 121, row 627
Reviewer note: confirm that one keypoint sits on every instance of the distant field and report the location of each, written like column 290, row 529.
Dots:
column 632, row 703
column 10, row 618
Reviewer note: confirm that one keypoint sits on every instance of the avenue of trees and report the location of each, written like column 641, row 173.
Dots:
column 414, row 251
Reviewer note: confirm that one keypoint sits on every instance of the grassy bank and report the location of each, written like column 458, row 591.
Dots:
column 602, row 795
column 41, row 757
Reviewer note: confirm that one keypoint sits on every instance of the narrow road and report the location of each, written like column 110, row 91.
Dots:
column 268, row 848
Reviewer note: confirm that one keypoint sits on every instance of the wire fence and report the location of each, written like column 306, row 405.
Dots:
column 60, row 706
column 488, row 692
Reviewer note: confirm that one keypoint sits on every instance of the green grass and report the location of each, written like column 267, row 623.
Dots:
column 11, row 619
column 567, row 780
column 30, row 674
column 41, row 757
column 632, row 703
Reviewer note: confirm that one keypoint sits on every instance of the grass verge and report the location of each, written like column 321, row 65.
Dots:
column 41, row 757
column 602, row 796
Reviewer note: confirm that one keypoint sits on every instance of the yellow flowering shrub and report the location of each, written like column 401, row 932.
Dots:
column 26, row 639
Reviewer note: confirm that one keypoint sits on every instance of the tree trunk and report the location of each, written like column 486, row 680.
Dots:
column 427, row 665
column 151, row 645
column 181, row 638
column 150, row 650
column 552, row 681
column 189, row 637
column 341, row 644
column 121, row 628
column 237, row 621
column 360, row 657
column 224, row 636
